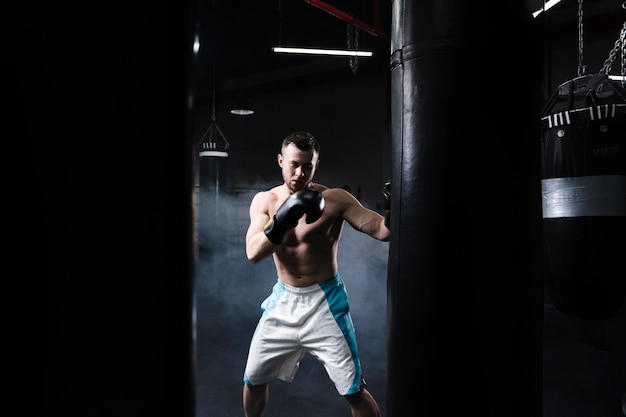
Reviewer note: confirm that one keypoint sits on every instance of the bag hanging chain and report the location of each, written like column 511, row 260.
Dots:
column 620, row 45
column 581, row 67
column 353, row 43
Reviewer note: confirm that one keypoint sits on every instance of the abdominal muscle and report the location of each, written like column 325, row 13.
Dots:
column 303, row 264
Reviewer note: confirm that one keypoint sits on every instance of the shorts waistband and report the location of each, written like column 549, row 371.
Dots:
column 315, row 287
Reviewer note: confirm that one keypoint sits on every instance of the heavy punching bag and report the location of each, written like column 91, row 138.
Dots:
column 464, row 280
column 213, row 166
column 583, row 137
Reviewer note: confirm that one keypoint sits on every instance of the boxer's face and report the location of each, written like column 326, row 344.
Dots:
column 298, row 166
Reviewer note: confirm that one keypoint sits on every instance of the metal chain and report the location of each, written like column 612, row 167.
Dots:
column 353, row 43
column 620, row 45
column 581, row 68
column 622, row 38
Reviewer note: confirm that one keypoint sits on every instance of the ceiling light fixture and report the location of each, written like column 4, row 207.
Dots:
column 352, row 50
column 546, row 6
column 242, row 108
column 213, row 142
column 319, row 51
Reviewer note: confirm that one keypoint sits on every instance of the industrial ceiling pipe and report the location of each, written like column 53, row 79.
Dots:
column 465, row 293
column 376, row 30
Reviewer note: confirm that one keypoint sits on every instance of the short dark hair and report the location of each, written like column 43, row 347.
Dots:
column 304, row 141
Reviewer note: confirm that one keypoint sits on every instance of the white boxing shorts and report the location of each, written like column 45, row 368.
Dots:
column 297, row 320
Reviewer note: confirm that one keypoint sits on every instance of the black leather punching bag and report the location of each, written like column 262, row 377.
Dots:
column 465, row 292
column 212, row 167
column 583, row 182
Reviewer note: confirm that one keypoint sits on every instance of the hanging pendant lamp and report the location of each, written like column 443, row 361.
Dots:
column 213, row 143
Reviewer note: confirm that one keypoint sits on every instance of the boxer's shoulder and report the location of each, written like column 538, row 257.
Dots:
column 319, row 187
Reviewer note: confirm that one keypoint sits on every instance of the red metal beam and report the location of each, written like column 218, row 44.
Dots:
column 374, row 30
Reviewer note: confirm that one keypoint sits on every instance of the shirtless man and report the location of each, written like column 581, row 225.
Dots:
column 299, row 223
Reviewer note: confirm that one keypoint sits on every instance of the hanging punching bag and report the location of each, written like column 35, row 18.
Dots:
column 583, row 136
column 464, row 280
column 212, row 212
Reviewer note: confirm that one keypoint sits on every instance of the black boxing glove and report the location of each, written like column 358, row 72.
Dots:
column 309, row 202
column 387, row 203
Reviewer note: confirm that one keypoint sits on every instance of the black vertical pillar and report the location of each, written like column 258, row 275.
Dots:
column 97, row 259
column 465, row 284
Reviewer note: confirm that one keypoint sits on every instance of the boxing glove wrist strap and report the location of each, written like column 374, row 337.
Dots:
column 275, row 230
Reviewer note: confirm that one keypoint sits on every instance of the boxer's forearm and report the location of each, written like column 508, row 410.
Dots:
column 371, row 223
column 377, row 228
column 258, row 247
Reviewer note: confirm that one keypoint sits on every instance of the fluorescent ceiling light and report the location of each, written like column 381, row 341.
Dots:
column 313, row 51
column 242, row 107
column 219, row 154
column 547, row 5
column 242, row 112
column 617, row 78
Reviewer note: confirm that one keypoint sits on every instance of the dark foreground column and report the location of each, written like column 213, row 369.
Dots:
column 96, row 171
column 465, row 283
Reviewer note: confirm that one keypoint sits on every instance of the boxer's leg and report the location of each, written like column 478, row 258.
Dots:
column 255, row 399
column 362, row 404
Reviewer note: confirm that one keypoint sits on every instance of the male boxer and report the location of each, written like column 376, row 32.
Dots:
column 299, row 223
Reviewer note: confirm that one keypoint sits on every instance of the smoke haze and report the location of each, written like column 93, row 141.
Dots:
column 229, row 291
